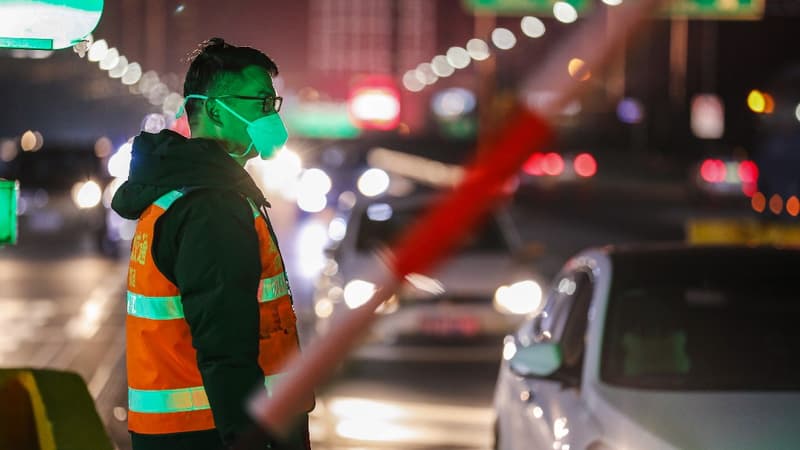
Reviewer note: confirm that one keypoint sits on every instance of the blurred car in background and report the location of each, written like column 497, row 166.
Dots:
column 725, row 176
column 459, row 311
column 547, row 169
column 61, row 192
column 668, row 347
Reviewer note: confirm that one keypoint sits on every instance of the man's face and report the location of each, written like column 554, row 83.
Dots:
column 253, row 81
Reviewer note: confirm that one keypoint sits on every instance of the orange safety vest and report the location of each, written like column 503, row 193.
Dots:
column 165, row 390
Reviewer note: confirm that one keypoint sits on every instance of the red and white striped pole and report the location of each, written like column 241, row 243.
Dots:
column 444, row 224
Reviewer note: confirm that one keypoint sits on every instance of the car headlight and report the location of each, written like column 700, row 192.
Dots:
column 522, row 297
column 357, row 292
column 86, row 195
column 323, row 308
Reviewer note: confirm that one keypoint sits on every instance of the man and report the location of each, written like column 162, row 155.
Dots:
column 210, row 315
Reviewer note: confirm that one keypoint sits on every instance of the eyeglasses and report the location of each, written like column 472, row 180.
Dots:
column 271, row 103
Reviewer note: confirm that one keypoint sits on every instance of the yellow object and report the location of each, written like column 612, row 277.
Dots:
column 741, row 231
column 48, row 410
column 756, row 101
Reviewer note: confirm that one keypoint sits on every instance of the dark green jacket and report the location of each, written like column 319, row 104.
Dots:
column 206, row 245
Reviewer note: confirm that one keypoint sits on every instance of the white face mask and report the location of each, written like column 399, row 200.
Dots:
column 267, row 134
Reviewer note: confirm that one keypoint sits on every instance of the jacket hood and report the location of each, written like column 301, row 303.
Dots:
column 167, row 161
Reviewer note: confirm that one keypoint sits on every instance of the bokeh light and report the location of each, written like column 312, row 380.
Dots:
column 102, row 147
column 564, row 12
column 98, row 50
column 441, row 67
column 316, row 180
column 713, row 171
column 28, row 141
column 87, row 194
column 453, row 102
column 8, row 150
column 793, row 206
column 553, row 164
column 133, row 74
column 412, row 82
column 748, row 172
column 478, row 49
column 119, row 69
column 532, row 27
column 756, row 101
column 172, row 103
column 776, row 204
column 577, row 69
column 758, row 201
column 154, row 123
column 503, row 38
column 458, row 57
column 373, row 182
column 110, row 60
column 585, row 165
column 120, row 162
column 425, row 74
column 630, row 111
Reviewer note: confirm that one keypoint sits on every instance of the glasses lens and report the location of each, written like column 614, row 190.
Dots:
column 276, row 105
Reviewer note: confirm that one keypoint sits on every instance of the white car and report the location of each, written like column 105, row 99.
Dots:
column 459, row 312
column 669, row 347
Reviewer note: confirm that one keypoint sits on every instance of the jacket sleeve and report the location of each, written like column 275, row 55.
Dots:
column 209, row 247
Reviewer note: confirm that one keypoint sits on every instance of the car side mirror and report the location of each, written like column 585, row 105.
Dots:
column 538, row 360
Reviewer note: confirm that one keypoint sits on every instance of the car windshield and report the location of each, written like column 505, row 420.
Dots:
column 52, row 169
column 381, row 223
column 703, row 325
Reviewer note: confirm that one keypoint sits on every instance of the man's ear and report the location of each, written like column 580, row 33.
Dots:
column 212, row 111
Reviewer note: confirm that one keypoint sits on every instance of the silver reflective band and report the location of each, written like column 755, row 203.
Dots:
column 155, row 308
column 166, row 200
column 169, row 308
column 168, row 400
column 253, row 206
column 179, row 400
column 274, row 287
column 270, row 381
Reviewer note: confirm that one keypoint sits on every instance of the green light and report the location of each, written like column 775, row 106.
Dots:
column 9, row 191
column 47, row 24
column 716, row 9
column 522, row 7
column 27, row 43
column 324, row 121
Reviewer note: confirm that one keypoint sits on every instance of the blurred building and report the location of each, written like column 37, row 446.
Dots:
column 323, row 46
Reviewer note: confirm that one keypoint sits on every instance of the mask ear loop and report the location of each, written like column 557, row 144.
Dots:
column 182, row 109
column 238, row 116
column 230, row 110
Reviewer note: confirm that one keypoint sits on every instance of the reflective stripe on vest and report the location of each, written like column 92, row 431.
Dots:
column 273, row 288
column 169, row 308
column 156, row 308
column 256, row 212
column 166, row 200
column 179, row 400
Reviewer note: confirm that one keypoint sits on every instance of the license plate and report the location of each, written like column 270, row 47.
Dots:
column 449, row 326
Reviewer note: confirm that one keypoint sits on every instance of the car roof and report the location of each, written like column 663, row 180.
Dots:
column 680, row 249
column 658, row 256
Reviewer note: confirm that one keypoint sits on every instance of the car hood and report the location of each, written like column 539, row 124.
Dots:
column 701, row 419
column 472, row 274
